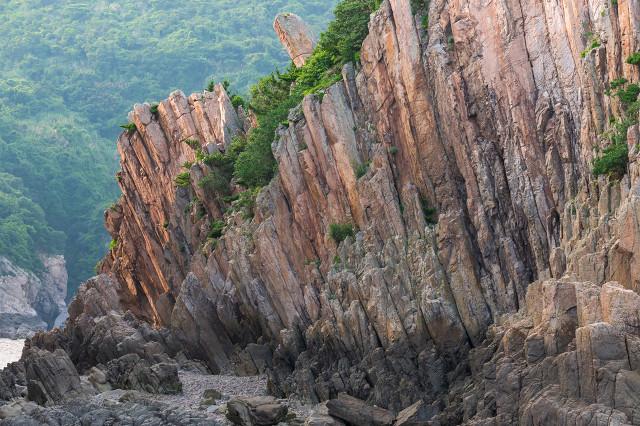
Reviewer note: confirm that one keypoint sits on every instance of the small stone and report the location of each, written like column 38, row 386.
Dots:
column 210, row 396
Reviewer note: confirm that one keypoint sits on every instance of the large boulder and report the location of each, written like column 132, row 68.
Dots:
column 134, row 373
column 356, row 412
column 51, row 376
column 256, row 411
column 417, row 414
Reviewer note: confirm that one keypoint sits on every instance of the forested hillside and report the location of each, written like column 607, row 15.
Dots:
column 70, row 71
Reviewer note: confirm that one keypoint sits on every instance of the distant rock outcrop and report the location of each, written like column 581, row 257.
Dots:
column 296, row 36
column 30, row 302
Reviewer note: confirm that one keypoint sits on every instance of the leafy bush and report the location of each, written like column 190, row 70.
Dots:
column 629, row 94
column 237, row 101
column 618, row 82
column 129, row 127
column 183, row 180
column 273, row 96
column 215, row 182
column 430, row 213
column 593, row 44
column 393, row 150
column 193, row 143
column 113, row 245
column 613, row 161
column 634, row 59
column 360, row 169
column 154, row 108
column 246, row 203
column 255, row 166
column 340, row 231
column 217, row 229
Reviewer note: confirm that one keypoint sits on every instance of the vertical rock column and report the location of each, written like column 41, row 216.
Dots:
column 296, row 36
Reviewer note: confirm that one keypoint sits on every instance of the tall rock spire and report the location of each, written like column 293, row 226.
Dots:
column 296, row 36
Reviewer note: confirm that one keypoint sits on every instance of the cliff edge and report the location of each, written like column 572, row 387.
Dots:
column 435, row 231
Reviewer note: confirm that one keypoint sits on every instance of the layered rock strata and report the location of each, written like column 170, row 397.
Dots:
column 477, row 135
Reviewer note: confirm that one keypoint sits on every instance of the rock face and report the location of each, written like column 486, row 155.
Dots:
column 51, row 377
column 296, row 37
column 29, row 302
column 478, row 134
column 573, row 369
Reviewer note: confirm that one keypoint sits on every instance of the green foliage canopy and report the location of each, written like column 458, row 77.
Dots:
column 70, row 71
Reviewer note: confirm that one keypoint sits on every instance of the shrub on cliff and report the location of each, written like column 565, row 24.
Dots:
column 634, row 59
column 629, row 94
column 273, row 96
column 614, row 158
column 183, row 179
column 340, row 231
column 217, row 229
column 613, row 161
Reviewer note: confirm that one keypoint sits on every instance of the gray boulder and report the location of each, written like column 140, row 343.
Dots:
column 134, row 373
column 357, row 412
column 51, row 376
column 256, row 411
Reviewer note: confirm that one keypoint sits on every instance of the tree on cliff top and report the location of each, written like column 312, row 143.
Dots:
column 274, row 95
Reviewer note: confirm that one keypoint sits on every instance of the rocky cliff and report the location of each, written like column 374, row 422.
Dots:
column 30, row 303
column 459, row 150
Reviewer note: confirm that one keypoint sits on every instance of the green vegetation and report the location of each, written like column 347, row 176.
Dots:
column 113, row 245
column 129, row 127
column 594, row 43
column 430, row 213
column 183, row 180
column 70, row 72
column 629, row 94
column 246, row 203
column 217, row 229
column 360, row 169
column 276, row 94
column 23, row 229
column 394, row 150
column 613, row 160
column 340, row 231
column 634, row 59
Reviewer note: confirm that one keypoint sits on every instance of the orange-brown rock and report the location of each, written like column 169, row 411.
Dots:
column 296, row 36
column 491, row 116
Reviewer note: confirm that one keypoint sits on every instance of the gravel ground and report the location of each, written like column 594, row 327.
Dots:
column 193, row 387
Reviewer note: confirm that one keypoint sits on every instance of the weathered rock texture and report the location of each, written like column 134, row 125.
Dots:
column 492, row 117
column 561, row 361
column 30, row 302
column 296, row 36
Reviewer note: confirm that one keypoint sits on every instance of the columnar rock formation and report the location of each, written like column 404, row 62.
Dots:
column 485, row 122
column 31, row 303
column 296, row 37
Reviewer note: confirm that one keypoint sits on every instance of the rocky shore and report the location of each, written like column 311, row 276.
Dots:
column 436, row 247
